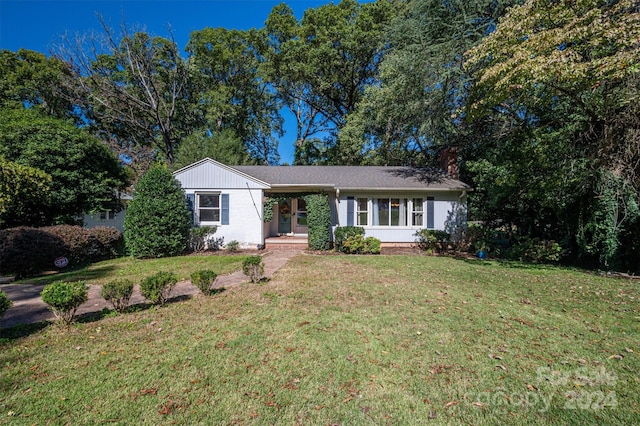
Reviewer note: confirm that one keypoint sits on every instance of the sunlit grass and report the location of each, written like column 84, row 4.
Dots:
column 348, row 340
column 137, row 269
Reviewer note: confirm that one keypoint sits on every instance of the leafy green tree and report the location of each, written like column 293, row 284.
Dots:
column 84, row 174
column 233, row 96
column 158, row 220
column 418, row 105
column 22, row 191
column 33, row 79
column 566, row 78
column 322, row 65
column 223, row 146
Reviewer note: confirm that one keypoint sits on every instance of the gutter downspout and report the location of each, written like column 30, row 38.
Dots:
column 337, row 207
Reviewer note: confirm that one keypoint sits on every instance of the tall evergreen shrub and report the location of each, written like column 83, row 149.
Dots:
column 158, row 221
column 319, row 221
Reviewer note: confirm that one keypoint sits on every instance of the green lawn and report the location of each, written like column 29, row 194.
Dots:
column 138, row 269
column 348, row 340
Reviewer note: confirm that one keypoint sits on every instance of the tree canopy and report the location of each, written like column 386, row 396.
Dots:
column 85, row 175
column 540, row 98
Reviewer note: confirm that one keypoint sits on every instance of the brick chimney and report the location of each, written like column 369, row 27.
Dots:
column 448, row 160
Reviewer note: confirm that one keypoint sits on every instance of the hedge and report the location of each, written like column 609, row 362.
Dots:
column 26, row 251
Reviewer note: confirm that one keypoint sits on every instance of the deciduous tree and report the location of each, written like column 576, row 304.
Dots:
column 85, row 175
column 134, row 87
column 322, row 64
column 232, row 95
column 23, row 194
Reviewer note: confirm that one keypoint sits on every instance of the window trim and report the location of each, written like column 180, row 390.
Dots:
column 219, row 208
column 406, row 205
column 358, row 212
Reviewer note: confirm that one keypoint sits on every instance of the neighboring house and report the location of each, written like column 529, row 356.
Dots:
column 108, row 217
column 391, row 203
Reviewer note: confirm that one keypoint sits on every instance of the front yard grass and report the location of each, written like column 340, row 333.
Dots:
column 138, row 269
column 348, row 340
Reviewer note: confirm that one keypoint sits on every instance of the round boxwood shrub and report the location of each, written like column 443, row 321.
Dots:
column 5, row 303
column 357, row 244
column 158, row 221
column 157, row 288
column 118, row 293
column 343, row 232
column 253, row 267
column 64, row 298
column 203, row 280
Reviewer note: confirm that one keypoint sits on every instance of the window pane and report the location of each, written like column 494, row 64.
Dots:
column 301, row 217
column 302, row 205
column 417, row 204
column 210, row 200
column 362, row 204
column 210, row 215
column 417, row 219
column 362, row 219
column 383, row 211
column 395, row 212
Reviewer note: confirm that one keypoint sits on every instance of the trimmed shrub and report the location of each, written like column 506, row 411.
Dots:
column 341, row 233
column 118, row 293
column 357, row 244
column 28, row 251
column 5, row 303
column 158, row 220
column 318, row 221
column 253, row 267
column 64, row 298
column 107, row 243
column 432, row 240
column 203, row 280
column 199, row 237
column 157, row 288
column 232, row 246
column 86, row 245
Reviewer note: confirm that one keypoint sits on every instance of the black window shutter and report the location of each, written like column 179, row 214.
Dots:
column 191, row 205
column 351, row 203
column 224, row 201
column 430, row 213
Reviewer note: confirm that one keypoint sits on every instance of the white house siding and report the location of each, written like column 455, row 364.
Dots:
column 245, row 200
column 446, row 206
column 245, row 224
column 115, row 220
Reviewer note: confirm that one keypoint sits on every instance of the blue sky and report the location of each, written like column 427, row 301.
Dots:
column 38, row 25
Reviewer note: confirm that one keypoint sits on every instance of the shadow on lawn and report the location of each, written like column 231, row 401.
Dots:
column 89, row 317
column 24, row 330
column 80, row 273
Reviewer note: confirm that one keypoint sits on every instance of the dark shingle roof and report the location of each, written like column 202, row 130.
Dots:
column 354, row 177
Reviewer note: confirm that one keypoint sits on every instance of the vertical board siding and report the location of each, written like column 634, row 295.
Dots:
column 209, row 176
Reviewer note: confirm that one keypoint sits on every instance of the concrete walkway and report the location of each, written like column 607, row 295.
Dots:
column 28, row 307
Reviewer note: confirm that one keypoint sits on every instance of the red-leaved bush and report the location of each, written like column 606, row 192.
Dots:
column 26, row 251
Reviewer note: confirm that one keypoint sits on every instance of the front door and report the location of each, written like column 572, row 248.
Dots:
column 284, row 217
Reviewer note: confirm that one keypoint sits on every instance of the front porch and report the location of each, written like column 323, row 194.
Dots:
column 286, row 242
